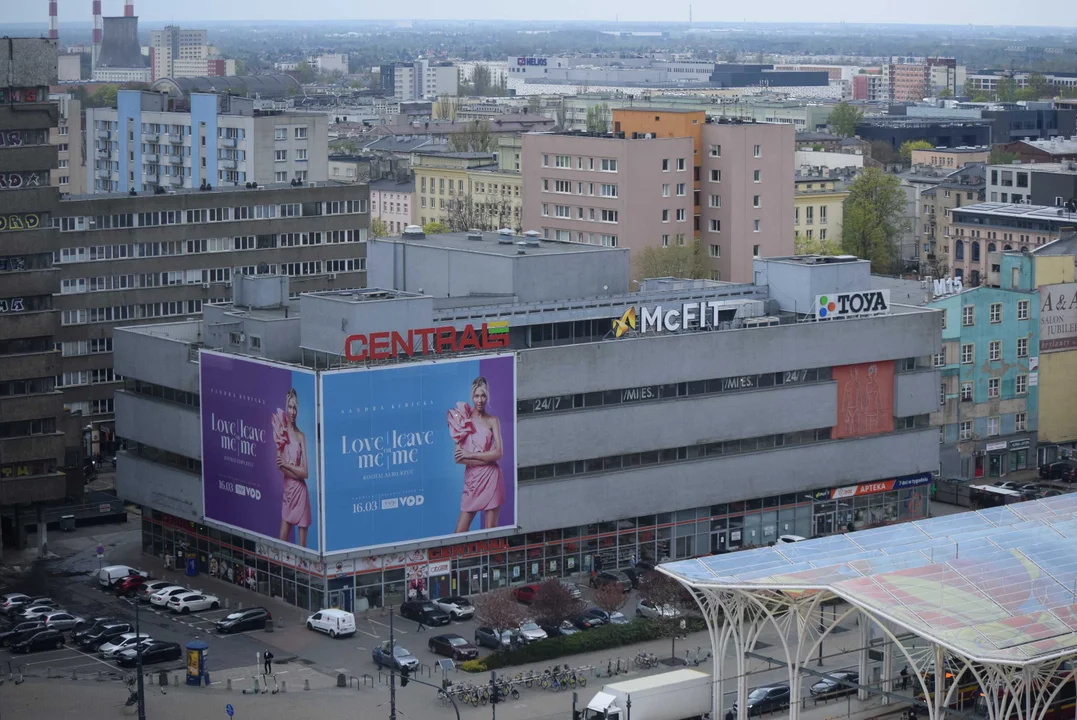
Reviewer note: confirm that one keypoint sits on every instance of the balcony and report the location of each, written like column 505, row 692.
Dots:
column 102, row 174
column 228, row 142
column 170, row 180
column 227, row 164
column 151, row 137
column 175, row 139
column 30, row 365
column 28, row 324
column 30, row 282
column 104, row 134
column 173, row 159
column 29, row 407
column 150, row 158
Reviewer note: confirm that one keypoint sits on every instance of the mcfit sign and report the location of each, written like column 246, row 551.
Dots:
column 702, row 315
column 837, row 306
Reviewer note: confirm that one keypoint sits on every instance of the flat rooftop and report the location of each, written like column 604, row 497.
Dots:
column 1033, row 212
column 493, row 243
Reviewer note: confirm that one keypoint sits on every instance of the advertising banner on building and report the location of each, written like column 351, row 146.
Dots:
column 259, row 448
column 418, row 451
column 1058, row 317
column 865, row 399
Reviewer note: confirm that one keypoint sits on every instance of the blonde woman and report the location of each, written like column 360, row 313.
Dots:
column 477, row 435
column 292, row 462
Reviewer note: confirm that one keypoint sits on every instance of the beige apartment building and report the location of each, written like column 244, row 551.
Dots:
column 470, row 190
column 70, row 173
column 955, row 158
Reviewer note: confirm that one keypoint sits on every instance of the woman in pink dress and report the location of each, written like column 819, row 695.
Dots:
column 477, row 435
column 292, row 461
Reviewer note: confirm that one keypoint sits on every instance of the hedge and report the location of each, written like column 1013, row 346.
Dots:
column 601, row 638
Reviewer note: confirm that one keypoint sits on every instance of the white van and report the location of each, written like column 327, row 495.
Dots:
column 108, row 576
column 333, row 622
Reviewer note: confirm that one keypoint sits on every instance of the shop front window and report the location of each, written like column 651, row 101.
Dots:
column 996, row 467
column 1019, row 459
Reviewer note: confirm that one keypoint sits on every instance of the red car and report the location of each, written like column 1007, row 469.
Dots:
column 526, row 594
column 128, row 586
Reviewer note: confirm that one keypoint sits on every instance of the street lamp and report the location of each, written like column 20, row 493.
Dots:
column 138, row 656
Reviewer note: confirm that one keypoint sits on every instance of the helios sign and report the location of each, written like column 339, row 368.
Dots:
column 834, row 306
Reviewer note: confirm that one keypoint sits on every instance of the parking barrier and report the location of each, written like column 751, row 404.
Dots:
column 228, row 685
column 423, row 667
column 227, row 604
column 368, row 680
column 306, row 683
column 175, row 679
column 352, row 677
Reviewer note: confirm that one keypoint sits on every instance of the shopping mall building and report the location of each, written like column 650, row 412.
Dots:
column 664, row 419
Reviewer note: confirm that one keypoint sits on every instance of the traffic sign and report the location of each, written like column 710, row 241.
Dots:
column 100, row 549
column 230, row 710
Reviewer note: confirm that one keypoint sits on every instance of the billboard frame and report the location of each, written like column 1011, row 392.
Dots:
column 295, row 549
column 426, row 540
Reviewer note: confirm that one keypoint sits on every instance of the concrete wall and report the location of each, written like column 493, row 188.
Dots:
column 552, row 277
column 156, row 358
column 161, row 487
column 795, row 285
column 916, row 393
column 160, row 423
column 328, row 320
column 27, row 62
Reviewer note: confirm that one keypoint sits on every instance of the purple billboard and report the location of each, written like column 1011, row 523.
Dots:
column 259, row 448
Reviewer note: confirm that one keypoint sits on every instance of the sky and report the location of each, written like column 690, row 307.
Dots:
column 1052, row 13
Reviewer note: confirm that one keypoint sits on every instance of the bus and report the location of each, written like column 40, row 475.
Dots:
column 966, row 694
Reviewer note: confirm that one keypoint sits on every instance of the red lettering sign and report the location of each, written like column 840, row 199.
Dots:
column 472, row 548
column 423, row 341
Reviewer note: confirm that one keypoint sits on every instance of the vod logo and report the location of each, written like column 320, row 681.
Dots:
column 394, row 503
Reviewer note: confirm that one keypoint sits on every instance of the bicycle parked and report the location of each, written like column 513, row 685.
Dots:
column 646, row 660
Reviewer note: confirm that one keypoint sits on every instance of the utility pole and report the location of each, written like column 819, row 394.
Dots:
column 493, row 695
column 392, row 673
column 138, row 656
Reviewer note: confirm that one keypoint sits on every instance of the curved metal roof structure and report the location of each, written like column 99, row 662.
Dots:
column 994, row 586
column 264, row 86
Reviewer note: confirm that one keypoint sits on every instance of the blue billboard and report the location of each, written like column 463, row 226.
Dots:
column 418, row 451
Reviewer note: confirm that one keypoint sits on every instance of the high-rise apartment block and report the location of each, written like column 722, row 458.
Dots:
column 422, row 79
column 70, row 175
column 911, row 79
column 178, row 52
column 667, row 177
column 143, row 144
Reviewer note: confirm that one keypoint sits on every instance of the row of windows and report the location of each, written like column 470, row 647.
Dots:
column 589, row 238
column 588, row 214
column 161, row 392
column 994, row 389
column 96, row 376
column 100, row 406
column 118, row 313
column 994, row 313
column 33, row 386
column 95, row 346
column 79, row 223
column 609, row 190
column 619, row 396
column 994, row 353
column 27, row 469
column 994, row 426
column 582, row 163
column 21, row 346
column 23, row 428
column 163, row 457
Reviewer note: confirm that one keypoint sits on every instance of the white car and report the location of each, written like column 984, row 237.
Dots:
column 60, row 620
column 37, row 612
column 791, row 539
column 127, row 640
column 648, row 609
column 146, row 591
column 531, row 632
column 162, row 596
column 459, row 608
column 192, row 602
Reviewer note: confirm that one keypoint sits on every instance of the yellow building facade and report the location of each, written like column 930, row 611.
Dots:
column 818, row 208
column 462, row 191
column 1054, row 276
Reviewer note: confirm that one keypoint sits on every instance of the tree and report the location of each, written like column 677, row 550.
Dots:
column 597, row 118
column 303, row 73
column 481, row 80
column 610, row 597
column 881, row 151
column 874, row 219
column 945, row 93
column 377, row 228
column 498, row 609
column 103, row 97
column 1001, row 157
column 476, row 137
column 435, row 227
column 681, row 261
column 554, row 603
column 814, row 246
column 445, row 108
column 660, row 589
column 844, row 118
column 1007, row 89
column 909, row 145
column 1038, row 87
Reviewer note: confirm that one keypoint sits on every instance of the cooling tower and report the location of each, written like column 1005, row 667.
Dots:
column 119, row 47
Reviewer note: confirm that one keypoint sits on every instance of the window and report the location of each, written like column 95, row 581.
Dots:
column 715, row 201
column 562, row 211
column 994, row 385
column 281, row 155
column 755, row 225
column 609, row 216
column 609, row 165
column 755, row 201
column 1021, row 385
column 280, row 133
column 1022, row 309
column 966, row 430
column 665, row 164
column 680, row 189
column 545, row 161
column 301, row 133
column 995, row 313
column 301, row 154
column 755, row 250
column 967, row 354
column 809, row 215
column 665, row 216
column 966, row 392
column 822, row 214
column 680, row 164
column 994, row 350
column 715, row 225
column 680, row 215
column 716, row 175
column 665, row 241
column 757, row 151
column 822, row 233
column 1020, row 422
column 562, row 161
column 716, row 251
column 992, row 426
column 716, row 151
column 940, row 359
column 665, row 189
column 609, row 191
column 283, row 177
column 1022, row 347
column 968, row 316
column 757, row 176
column 942, row 394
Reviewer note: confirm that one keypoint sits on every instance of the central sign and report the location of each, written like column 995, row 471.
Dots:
column 863, row 303
column 426, row 341
column 702, row 315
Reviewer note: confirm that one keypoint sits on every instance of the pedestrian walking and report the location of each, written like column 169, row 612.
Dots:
column 422, row 625
column 267, row 658
column 905, row 678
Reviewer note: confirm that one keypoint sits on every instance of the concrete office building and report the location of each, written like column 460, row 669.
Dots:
column 653, row 445
column 31, row 446
column 1033, row 183
column 70, row 175
column 179, row 52
column 221, row 140
column 123, row 260
column 423, row 79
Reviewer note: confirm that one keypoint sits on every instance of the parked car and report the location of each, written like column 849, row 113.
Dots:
column 18, row 603
column 769, row 698
column 488, row 637
column 453, row 646
column 104, row 634
column 332, row 622
column 425, row 611
column 242, row 620
column 36, row 612
column 18, row 631
column 40, row 640
column 565, row 628
column 611, row 576
column 586, row 622
column 613, row 618
column 786, row 539
column 1054, row 470
column 129, row 586
column 192, row 602
column 830, row 686
column 459, row 608
column 60, row 620
column 85, row 623
column 1050, row 493
column 531, row 632
column 152, row 652
column 108, row 576
column 573, row 589
column 162, row 596
column 525, row 593
column 11, row 600
column 121, row 642
column 1069, row 472
column 394, row 657
column 654, row 611
column 1008, row 484
column 148, row 589
column 89, row 626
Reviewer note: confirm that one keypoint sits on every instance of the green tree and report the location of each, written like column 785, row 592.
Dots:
column 881, row 151
column 873, row 219
column 909, row 145
column 1001, row 157
column 103, row 97
column 481, row 80
column 1037, row 88
column 844, row 118
column 814, row 246
column 303, row 73
column 1007, row 89
column 682, row 261
column 476, row 137
column 435, row 227
column 598, row 118
column 945, row 93
column 377, row 228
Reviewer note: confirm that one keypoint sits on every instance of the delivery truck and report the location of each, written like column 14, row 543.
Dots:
column 676, row 695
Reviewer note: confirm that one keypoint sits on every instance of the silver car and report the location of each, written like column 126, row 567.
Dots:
column 60, row 620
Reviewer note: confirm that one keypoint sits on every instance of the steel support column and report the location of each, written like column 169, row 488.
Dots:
column 888, row 669
column 862, row 658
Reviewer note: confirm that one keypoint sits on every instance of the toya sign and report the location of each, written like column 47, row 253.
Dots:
column 426, row 341
column 852, row 304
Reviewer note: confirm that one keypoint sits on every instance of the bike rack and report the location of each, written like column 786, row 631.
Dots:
column 368, row 679
column 423, row 667
column 383, row 677
column 352, row 677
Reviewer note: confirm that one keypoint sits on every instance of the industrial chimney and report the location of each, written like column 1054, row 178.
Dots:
column 128, row 8
column 97, row 33
column 54, row 29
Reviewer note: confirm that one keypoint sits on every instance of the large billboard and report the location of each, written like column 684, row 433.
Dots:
column 1058, row 317
column 418, row 451
column 259, row 448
